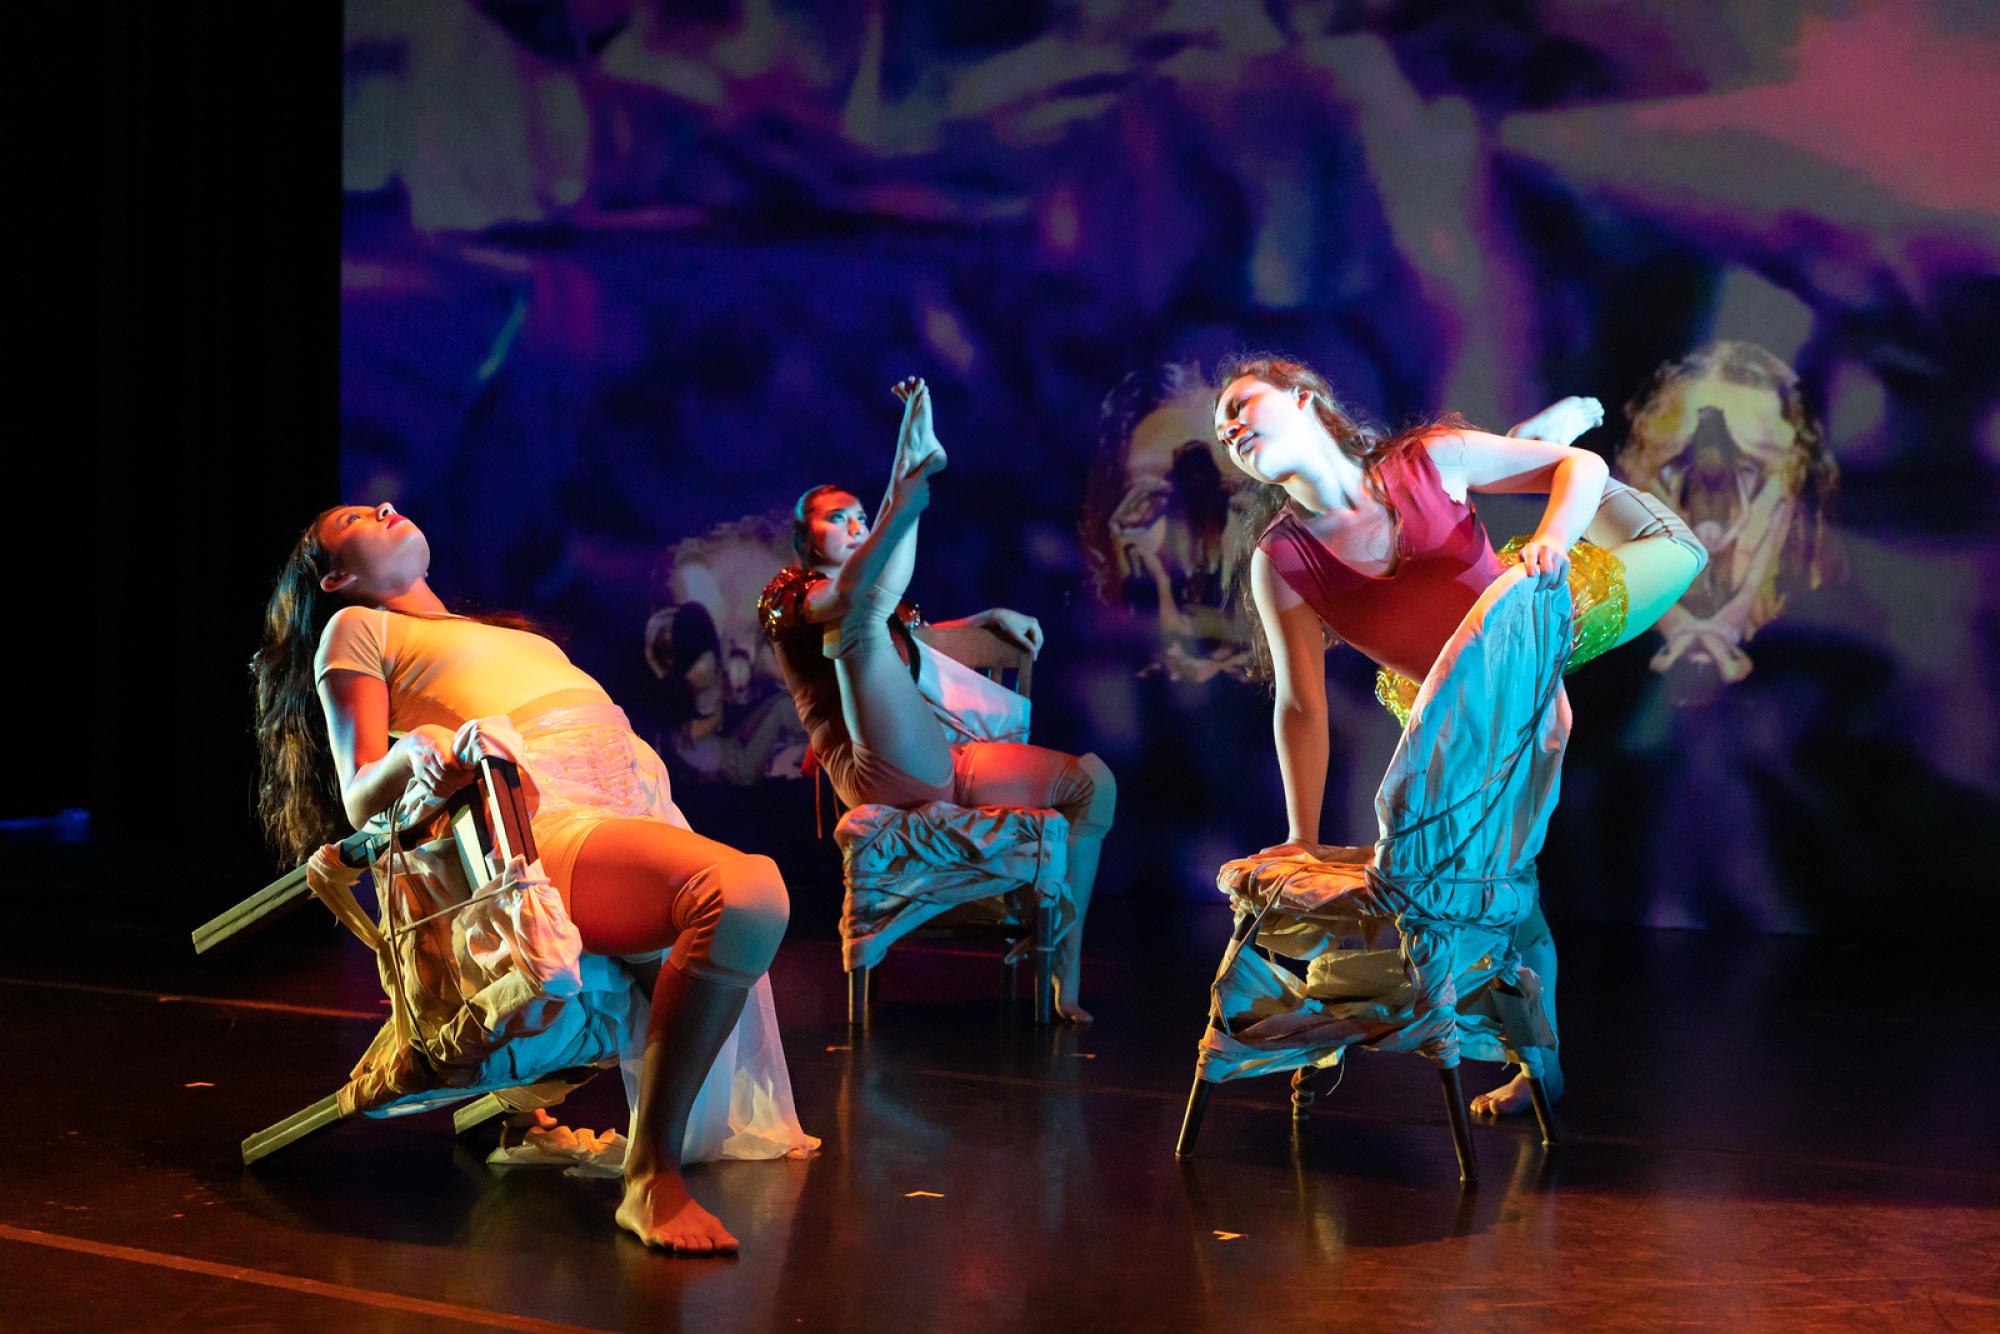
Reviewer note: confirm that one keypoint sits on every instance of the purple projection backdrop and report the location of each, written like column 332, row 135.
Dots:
column 622, row 278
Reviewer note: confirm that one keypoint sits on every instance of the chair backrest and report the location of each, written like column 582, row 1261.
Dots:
column 986, row 652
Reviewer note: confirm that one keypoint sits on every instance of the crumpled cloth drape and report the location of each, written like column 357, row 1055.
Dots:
column 904, row 868
column 1409, row 944
column 490, row 988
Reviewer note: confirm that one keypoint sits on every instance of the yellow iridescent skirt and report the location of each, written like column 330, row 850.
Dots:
column 1597, row 592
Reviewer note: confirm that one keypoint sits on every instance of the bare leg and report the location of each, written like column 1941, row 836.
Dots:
column 639, row 886
column 1083, row 789
column 691, row 1017
column 1661, row 555
column 917, row 448
column 884, row 711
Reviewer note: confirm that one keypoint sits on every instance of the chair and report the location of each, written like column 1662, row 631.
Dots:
column 544, row 1046
column 1409, row 944
column 991, row 871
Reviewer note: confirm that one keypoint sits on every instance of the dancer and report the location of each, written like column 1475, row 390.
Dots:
column 366, row 677
column 1373, row 539
column 843, row 636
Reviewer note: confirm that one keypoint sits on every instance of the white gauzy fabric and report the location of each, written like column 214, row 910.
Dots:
column 580, row 763
column 586, row 763
column 904, row 868
column 968, row 705
column 1409, row 943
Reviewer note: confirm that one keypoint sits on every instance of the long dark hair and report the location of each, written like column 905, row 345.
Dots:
column 298, row 795
column 298, row 792
column 1368, row 445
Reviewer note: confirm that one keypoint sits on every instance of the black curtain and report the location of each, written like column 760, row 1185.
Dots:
column 181, row 445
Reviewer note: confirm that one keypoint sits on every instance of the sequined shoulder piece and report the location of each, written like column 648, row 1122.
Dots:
column 781, row 608
column 782, row 605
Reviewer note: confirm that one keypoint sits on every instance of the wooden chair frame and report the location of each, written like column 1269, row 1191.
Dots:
column 488, row 821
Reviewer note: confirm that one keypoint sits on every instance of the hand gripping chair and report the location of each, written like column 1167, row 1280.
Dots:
column 980, row 870
column 1408, row 945
column 480, row 1009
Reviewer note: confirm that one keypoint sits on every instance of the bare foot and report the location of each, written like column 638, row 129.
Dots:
column 1509, row 1099
column 660, row 1212
column 1068, row 1008
column 1563, row 421
column 918, row 452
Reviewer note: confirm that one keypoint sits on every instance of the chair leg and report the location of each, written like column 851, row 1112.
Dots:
column 1191, row 1121
column 1302, row 1092
column 469, row 1116
column 1545, row 1115
column 1461, row 1125
column 859, row 995
column 1045, row 963
column 310, row 1121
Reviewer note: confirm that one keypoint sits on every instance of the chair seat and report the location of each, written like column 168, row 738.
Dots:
column 905, row 868
column 1331, row 897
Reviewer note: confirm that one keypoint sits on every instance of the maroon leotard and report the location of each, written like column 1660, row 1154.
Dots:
column 1444, row 561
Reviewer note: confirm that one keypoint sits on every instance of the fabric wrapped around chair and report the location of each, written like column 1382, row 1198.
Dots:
column 1409, row 944
column 906, row 868
column 463, row 1021
column 489, row 986
column 992, row 864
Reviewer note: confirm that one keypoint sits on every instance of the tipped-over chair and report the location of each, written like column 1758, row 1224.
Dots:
column 995, row 871
column 1408, row 945
column 474, row 1015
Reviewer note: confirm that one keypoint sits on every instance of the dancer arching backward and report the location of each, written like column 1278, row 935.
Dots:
column 1373, row 538
column 843, row 638
column 402, row 684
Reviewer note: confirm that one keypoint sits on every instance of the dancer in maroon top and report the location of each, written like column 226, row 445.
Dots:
column 1441, row 563
column 1375, row 539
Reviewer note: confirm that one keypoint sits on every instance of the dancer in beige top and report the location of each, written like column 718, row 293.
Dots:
column 366, row 678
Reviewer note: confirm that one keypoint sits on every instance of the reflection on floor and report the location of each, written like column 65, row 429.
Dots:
column 1756, row 1131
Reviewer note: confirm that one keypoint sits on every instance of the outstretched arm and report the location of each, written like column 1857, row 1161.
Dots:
column 1573, row 478
column 1298, row 713
column 889, row 552
column 1013, row 626
column 830, row 599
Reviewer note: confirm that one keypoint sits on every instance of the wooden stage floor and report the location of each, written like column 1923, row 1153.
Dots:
column 1758, row 1133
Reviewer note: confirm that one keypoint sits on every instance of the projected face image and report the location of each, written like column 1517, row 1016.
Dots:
column 1724, row 438
column 721, row 695
column 1161, row 491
